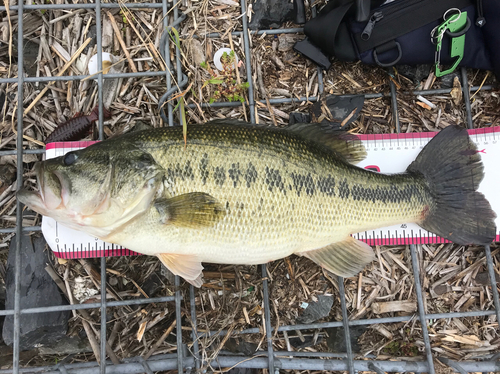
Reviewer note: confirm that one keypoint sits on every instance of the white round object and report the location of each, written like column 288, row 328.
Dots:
column 218, row 56
column 93, row 69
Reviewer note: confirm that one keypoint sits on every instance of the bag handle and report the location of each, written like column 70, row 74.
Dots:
column 362, row 10
column 323, row 29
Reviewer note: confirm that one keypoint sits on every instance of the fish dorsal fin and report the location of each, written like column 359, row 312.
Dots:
column 192, row 210
column 187, row 266
column 346, row 258
column 345, row 145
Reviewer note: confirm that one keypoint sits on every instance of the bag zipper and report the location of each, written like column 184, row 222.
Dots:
column 390, row 10
column 399, row 17
column 367, row 31
column 480, row 20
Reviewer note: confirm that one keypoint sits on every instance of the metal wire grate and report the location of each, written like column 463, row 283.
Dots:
column 182, row 361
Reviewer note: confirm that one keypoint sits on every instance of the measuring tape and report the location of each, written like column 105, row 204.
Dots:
column 386, row 153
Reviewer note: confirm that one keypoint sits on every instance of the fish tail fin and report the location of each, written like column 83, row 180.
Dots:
column 452, row 168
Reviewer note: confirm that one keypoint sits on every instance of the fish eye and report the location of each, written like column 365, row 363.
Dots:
column 70, row 158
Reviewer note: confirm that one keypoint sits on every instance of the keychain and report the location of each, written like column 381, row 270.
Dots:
column 455, row 25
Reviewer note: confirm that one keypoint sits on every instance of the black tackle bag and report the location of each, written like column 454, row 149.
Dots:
column 399, row 32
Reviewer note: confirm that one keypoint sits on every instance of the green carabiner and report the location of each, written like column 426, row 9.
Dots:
column 453, row 24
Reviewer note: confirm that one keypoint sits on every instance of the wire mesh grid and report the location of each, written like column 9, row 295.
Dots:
column 271, row 360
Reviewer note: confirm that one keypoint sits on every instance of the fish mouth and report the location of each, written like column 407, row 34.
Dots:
column 32, row 200
column 45, row 199
column 39, row 178
column 64, row 188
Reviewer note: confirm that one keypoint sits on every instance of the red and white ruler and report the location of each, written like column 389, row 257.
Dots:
column 387, row 153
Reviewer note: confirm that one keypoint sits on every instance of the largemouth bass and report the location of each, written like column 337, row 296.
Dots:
column 237, row 193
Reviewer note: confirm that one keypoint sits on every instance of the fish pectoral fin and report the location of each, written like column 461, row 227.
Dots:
column 192, row 210
column 187, row 266
column 346, row 258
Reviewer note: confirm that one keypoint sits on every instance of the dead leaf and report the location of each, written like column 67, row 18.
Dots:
column 456, row 91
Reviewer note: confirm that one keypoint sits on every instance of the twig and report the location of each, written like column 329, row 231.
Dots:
column 114, row 333
column 360, row 284
column 271, row 112
column 96, row 278
column 224, row 340
column 55, row 95
column 477, row 263
column 69, row 92
column 122, row 43
column 287, row 341
column 6, row 4
column 290, row 269
column 151, row 50
column 277, row 319
column 46, row 52
column 394, row 306
column 109, row 351
column 161, row 340
column 92, row 340
column 262, row 88
column 64, row 68
column 481, row 85
column 67, row 15
column 130, row 280
column 58, row 25
column 24, row 136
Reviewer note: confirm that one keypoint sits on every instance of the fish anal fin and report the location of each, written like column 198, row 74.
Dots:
column 187, row 266
column 192, row 210
column 346, row 258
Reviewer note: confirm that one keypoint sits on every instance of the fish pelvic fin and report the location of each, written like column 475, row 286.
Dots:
column 191, row 210
column 452, row 168
column 187, row 266
column 346, row 258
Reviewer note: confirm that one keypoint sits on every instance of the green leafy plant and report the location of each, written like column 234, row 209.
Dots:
column 174, row 36
column 399, row 349
column 124, row 17
column 225, row 84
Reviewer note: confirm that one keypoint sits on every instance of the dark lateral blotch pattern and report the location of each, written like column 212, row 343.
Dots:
column 183, row 173
column 273, row 179
column 204, row 173
column 250, row 175
column 235, row 174
column 303, row 183
column 219, row 175
column 326, row 185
